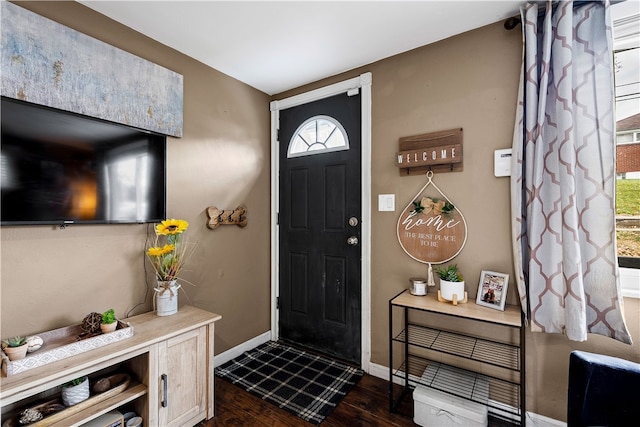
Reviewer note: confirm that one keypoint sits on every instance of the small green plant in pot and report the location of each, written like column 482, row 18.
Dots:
column 109, row 322
column 15, row 348
column 450, row 273
column 451, row 284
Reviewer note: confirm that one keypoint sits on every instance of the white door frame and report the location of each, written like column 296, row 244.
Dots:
column 363, row 83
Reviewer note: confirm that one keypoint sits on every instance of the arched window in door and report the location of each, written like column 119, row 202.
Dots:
column 319, row 134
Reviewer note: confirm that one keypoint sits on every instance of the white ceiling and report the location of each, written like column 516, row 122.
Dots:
column 275, row 46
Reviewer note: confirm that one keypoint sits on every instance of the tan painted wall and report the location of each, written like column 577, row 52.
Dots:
column 52, row 278
column 467, row 81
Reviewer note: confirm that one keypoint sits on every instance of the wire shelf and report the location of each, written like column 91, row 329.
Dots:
column 481, row 350
column 499, row 395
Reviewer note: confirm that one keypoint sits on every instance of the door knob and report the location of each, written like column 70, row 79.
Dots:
column 352, row 241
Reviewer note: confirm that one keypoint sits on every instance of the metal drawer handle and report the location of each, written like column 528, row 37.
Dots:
column 165, row 384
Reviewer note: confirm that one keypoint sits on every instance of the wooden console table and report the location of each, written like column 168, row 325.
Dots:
column 500, row 364
column 170, row 359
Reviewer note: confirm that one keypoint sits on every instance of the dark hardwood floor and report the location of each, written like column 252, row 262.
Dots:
column 367, row 404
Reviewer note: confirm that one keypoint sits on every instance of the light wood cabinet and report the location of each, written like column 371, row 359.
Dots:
column 182, row 365
column 170, row 359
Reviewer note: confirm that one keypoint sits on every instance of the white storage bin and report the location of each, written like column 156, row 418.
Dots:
column 437, row 408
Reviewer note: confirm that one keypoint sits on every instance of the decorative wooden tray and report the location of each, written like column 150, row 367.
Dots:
column 62, row 343
column 56, row 411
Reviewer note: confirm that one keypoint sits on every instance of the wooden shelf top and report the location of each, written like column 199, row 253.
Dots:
column 509, row 317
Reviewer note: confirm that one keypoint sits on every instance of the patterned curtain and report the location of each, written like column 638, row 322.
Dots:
column 563, row 180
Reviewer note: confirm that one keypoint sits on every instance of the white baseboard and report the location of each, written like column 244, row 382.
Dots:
column 378, row 371
column 382, row 372
column 236, row 351
column 542, row 421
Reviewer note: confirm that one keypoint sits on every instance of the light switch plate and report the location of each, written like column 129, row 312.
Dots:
column 386, row 202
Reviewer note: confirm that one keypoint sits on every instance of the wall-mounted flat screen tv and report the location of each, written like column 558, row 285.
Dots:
column 63, row 168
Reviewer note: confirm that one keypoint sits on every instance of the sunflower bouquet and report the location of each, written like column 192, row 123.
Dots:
column 170, row 251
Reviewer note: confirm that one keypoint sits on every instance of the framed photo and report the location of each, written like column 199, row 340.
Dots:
column 492, row 291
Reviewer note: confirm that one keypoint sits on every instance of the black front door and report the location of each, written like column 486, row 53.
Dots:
column 319, row 222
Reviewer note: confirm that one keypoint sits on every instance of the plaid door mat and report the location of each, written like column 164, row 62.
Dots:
column 302, row 383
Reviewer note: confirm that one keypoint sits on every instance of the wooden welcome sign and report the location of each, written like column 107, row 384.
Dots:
column 436, row 151
column 431, row 229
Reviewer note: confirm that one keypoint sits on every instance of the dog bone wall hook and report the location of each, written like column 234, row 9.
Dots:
column 217, row 217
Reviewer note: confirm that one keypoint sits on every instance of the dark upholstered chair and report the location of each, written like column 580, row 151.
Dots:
column 603, row 391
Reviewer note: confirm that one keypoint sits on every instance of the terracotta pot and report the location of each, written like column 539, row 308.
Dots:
column 108, row 327
column 16, row 353
column 448, row 289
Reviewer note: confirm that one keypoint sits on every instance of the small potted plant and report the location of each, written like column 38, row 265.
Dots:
column 15, row 348
column 109, row 322
column 451, row 283
column 75, row 391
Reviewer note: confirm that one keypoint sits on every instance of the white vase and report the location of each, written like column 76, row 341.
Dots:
column 74, row 394
column 448, row 289
column 167, row 298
